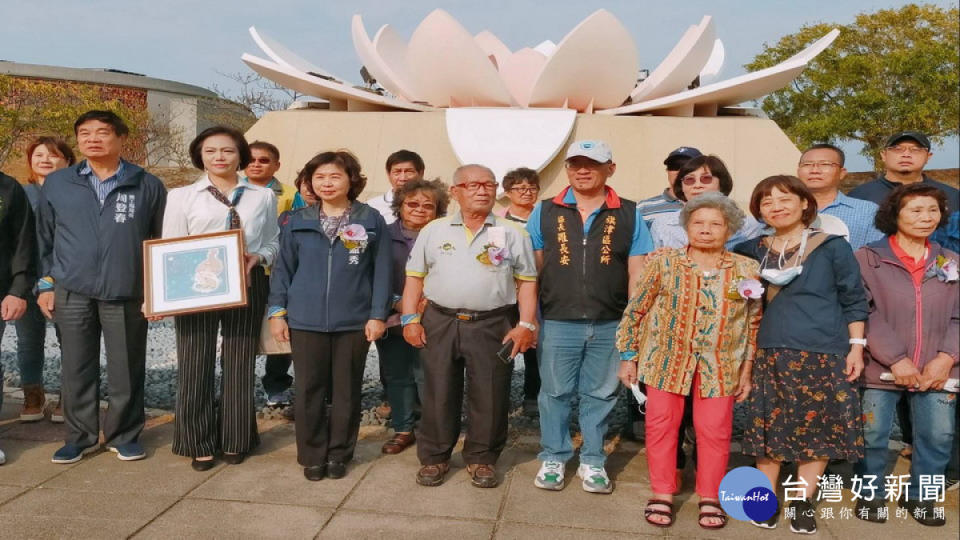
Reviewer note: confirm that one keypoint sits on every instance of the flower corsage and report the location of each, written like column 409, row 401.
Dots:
column 945, row 269
column 493, row 255
column 746, row 288
column 354, row 238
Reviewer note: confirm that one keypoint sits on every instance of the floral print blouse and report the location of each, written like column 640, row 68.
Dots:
column 682, row 320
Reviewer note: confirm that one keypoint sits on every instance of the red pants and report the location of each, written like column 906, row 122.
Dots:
column 713, row 422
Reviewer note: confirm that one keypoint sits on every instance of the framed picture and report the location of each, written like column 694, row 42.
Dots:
column 197, row 273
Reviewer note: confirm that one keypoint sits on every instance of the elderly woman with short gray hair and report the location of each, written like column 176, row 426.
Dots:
column 692, row 326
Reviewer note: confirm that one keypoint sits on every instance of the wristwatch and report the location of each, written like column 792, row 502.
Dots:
column 858, row 341
column 528, row 325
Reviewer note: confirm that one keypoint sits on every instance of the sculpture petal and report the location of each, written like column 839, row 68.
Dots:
column 381, row 71
column 492, row 46
column 710, row 71
column 284, row 56
column 681, row 66
column 519, row 72
column 736, row 90
column 596, row 62
column 449, row 67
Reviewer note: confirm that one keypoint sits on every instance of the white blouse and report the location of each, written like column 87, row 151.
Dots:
column 194, row 210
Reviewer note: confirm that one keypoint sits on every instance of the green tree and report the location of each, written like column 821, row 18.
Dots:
column 888, row 71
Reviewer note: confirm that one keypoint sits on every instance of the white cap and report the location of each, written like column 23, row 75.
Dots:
column 598, row 151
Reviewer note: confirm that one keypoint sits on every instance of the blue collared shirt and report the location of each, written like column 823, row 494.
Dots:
column 102, row 187
column 662, row 203
column 641, row 243
column 857, row 215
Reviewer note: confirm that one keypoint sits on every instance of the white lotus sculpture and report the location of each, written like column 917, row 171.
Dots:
column 592, row 69
column 509, row 108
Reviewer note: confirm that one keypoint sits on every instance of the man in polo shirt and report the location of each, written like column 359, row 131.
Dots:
column 264, row 164
column 92, row 220
column 668, row 201
column 589, row 245
column 475, row 269
column 904, row 156
column 821, row 170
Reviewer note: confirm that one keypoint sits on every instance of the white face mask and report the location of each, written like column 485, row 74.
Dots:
column 782, row 276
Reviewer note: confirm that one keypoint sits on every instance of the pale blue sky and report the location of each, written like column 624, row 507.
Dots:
column 190, row 40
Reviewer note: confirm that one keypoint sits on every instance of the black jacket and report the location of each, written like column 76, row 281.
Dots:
column 18, row 271
column 98, row 251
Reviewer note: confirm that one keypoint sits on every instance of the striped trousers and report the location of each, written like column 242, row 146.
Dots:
column 206, row 425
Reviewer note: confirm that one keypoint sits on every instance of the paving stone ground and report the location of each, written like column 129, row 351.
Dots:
column 267, row 496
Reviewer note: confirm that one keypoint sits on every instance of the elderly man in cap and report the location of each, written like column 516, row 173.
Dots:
column 668, row 201
column 475, row 270
column 589, row 245
column 904, row 156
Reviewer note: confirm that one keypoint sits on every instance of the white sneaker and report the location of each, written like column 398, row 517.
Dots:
column 3, row 457
column 595, row 479
column 550, row 476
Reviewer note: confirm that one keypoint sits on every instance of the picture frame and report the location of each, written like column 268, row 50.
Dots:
column 192, row 274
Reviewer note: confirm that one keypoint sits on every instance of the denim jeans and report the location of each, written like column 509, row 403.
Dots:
column 31, row 334
column 577, row 358
column 934, row 421
column 400, row 363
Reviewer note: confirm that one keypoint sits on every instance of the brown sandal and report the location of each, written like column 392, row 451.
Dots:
column 647, row 512
column 482, row 476
column 707, row 514
column 398, row 443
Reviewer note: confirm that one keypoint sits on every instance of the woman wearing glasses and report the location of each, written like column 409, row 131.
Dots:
column 415, row 203
column 700, row 175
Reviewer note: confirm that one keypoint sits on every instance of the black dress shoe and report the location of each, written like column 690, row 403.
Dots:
column 336, row 469
column 315, row 473
column 234, row 459
column 201, row 466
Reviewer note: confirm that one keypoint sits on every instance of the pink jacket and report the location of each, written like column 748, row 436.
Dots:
column 907, row 321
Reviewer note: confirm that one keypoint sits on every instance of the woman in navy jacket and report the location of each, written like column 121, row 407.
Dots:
column 329, row 296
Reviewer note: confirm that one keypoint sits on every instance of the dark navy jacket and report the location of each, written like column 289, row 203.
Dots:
column 94, row 251
column 315, row 281
column 812, row 312
column 18, row 271
column 877, row 190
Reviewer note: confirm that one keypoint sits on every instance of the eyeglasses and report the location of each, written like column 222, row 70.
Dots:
column 525, row 190
column 705, row 179
column 263, row 160
column 912, row 150
column 414, row 205
column 473, row 187
column 818, row 164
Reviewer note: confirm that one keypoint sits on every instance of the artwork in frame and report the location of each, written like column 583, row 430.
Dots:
column 197, row 273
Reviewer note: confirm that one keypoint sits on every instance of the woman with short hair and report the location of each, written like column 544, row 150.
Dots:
column 691, row 328
column 415, row 204
column 44, row 155
column 329, row 297
column 218, row 202
column 804, row 406
column 913, row 337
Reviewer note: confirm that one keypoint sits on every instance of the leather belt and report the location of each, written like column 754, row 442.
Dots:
column 467, row 315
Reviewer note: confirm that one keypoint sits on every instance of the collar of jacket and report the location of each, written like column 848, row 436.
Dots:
column 612, row 200
column 131, row 174
column 883, row 251
column 308, row 218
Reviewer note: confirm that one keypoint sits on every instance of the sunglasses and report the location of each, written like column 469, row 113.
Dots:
column 263, row 160
column 705, row 179
column 414, row 205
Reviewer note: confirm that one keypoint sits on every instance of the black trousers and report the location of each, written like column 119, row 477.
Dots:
column 329, row 367
column 205, row 424
column 81, row 321
column 531, row 374
column 456, row 348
